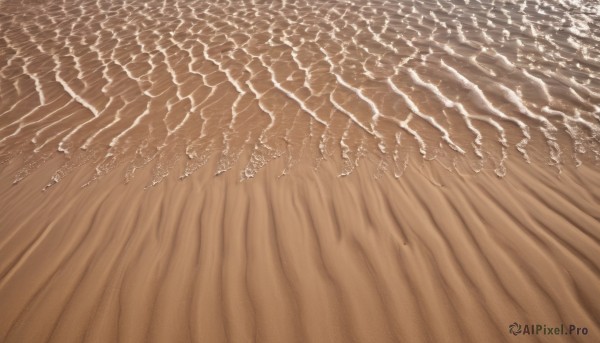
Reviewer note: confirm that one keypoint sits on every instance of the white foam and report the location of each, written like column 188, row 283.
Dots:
column 482, row 101
column 351, row 115
column 540, row 83
column 415, row 109
column 451, row 104
column 77, row 97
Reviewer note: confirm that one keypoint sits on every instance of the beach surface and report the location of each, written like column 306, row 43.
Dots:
column 299, row 171
column 309, row 257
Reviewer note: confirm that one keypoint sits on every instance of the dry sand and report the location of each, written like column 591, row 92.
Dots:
column 310, row 257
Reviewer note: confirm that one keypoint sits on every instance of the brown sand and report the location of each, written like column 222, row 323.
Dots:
column 413, row 171
column 309, row 257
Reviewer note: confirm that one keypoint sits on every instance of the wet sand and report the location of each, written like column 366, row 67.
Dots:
column 299, row 171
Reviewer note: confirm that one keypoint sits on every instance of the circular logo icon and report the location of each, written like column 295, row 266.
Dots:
column 514, row 328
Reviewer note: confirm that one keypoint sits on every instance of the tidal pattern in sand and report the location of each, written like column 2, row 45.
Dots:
column 148, row 83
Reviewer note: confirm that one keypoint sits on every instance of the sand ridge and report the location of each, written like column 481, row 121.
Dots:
column 309, row 257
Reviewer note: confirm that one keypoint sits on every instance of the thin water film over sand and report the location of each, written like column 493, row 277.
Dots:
column 150, row 82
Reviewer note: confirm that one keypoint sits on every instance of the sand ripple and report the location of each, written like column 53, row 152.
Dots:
column 479, row 206
column 431, row 257
column 149, row 82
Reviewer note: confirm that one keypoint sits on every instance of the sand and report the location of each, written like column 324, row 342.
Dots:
column 299, row 171
column 309, row 257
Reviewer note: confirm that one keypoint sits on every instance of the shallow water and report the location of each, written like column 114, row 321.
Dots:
column 151, row 82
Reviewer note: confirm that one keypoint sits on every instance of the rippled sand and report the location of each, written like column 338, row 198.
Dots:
column 327, row 171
